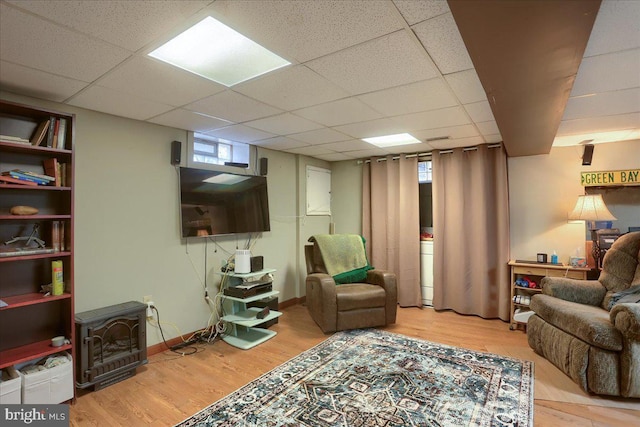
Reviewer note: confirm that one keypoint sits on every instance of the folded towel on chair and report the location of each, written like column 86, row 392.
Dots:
column 342, row 253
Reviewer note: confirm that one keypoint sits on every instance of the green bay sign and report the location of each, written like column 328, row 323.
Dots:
column 598, row 179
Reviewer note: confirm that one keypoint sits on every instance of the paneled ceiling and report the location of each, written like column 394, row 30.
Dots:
column 358, row 69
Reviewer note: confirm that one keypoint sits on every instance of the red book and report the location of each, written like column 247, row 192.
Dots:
column 51, row 169
column 11, row 180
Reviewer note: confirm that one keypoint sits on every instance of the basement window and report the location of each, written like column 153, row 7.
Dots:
column 211, row 150
column 425, row 172
column 425, row 196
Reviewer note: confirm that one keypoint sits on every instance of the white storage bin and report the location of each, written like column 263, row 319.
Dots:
column 52, row 385
column 10, row 387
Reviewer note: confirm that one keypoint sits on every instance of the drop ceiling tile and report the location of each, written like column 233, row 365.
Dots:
column 188, row 120
column 130, row 24
column 369, row 152
column 351, row 145
column 412, row 98
column 311, row 150
column 453, row 132
column 443, row 117
column 603, row 104
column 117, row 103
column 597, row 75
column 334, row 157
column 240, row 133
column 417, row 11
column 280, row 143
column 305, row 30
column 291, row 88
column 488, row 128
column 616, row 28
column 156, row 81
column 320, row 136
column 467, row 86
column 388, row 61
column 379, row 127
column 284, row 124
column 599, row 124
column 597, row 137
column 40, row 44
column 455, row 143
column 423, row 147
column 233, row 106
column 479, row 111
column 36, row 83
column 341, row 112
column 491, row 139
column 441, row 38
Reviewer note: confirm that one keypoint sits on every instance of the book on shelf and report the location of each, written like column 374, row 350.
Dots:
column 37, row 175
column 55, row 236
column 62, row 131
column 64, row 175
column 63, row 241
column 52, row 127
column 51, row 168
column 6, row 179
column 58, row 238
column 14, row 139
column 56, row 129
column 39, row 133
column 18, row 174
column 8, row 252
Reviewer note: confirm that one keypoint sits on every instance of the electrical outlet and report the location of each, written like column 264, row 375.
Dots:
column 147, row 299
column 149, row 310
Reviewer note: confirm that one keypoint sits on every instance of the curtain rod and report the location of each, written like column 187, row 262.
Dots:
column 422, row 155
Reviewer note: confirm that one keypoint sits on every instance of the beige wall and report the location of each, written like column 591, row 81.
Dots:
column 127, row 238
column 346, row 196
column 543, row 189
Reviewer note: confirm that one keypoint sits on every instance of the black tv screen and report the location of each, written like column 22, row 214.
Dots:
column 214, row 203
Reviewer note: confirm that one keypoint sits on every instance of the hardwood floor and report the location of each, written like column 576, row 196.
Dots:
column 171, row 388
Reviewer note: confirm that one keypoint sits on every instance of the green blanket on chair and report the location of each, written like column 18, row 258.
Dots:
column 344, row 256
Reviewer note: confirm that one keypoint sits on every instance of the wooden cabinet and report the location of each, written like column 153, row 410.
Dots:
column 31, row 317
column 520, row 295
column 241, row 321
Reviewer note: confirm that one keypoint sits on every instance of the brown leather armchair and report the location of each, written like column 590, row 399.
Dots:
column 350, row 305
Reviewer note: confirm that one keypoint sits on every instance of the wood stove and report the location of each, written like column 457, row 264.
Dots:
column 111, row 342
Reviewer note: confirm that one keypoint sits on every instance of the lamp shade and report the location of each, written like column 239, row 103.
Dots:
column 591, row 207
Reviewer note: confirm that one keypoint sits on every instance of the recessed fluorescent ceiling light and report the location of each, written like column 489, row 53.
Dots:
column 226, row 179
column 212, row 50
column 391, row 140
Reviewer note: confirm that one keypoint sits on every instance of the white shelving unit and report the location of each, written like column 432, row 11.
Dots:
column 426, row 271
column 242, row 319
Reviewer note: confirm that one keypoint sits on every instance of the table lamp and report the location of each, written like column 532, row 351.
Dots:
column 591, row 208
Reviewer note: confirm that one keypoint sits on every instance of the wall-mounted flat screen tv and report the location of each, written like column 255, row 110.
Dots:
column 214, row 203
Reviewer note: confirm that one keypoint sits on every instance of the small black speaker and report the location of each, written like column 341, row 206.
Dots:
column 257, row 263
column 587, row 155
column 264, row 165
column 176, row 152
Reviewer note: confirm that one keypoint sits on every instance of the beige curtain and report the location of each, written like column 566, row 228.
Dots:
column 391, row 223
column 471, row 232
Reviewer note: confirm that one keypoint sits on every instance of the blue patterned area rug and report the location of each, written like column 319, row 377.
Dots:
column 376, row 378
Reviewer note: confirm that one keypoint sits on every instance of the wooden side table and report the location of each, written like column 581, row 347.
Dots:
column 535, row 272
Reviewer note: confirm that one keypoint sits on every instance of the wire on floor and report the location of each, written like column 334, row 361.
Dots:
column 186, row 347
